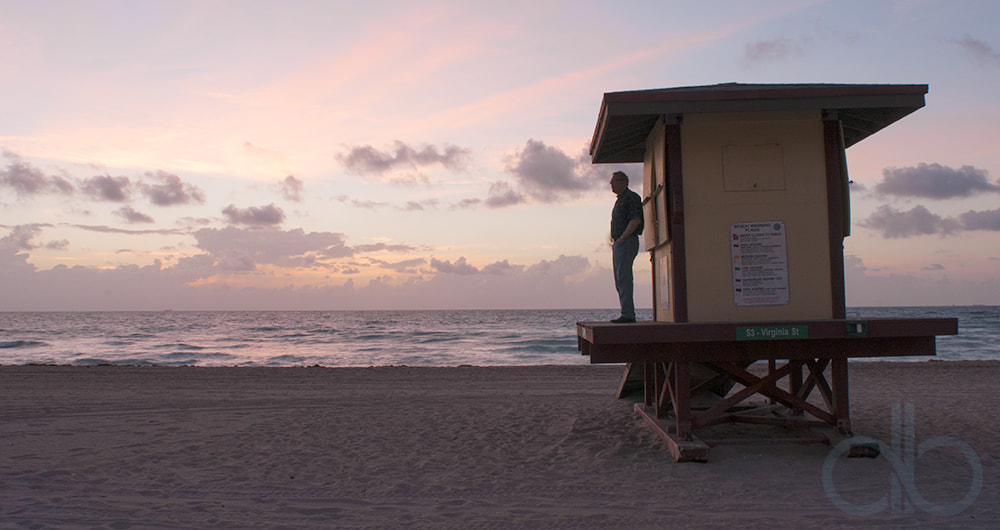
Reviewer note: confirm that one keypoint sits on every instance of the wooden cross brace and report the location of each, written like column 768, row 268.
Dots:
column 668, row 388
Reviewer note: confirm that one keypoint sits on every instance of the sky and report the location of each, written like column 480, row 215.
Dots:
column 334, row 155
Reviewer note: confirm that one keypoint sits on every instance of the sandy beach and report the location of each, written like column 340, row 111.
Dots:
column 543, row 447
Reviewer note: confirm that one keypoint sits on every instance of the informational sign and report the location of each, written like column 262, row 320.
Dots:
column 760, row 263
column 772, row 332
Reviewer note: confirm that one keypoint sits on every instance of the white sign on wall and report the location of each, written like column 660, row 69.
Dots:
column 760, row 263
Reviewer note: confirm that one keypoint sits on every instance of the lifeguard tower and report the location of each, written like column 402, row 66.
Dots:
column 746, row 204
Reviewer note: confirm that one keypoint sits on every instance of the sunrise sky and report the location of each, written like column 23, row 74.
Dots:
column 423, row 155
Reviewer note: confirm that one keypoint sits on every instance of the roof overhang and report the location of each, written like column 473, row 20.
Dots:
column 627, row 118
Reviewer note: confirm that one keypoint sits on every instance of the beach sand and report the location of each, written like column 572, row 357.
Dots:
column 545, row 447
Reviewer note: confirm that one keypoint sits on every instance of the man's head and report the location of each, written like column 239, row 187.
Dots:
column 619, row 182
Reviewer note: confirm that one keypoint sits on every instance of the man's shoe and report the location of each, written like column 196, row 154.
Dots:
column 623, row 320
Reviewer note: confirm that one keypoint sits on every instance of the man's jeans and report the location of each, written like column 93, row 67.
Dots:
column 622, row 256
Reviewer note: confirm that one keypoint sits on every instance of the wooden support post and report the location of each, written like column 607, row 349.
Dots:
column 649, row 377
column 841, row 403
column 660, row 377
column 682, row 398
column 771, row 367
column 665, row 399
column 795, row 385
column 691, row 450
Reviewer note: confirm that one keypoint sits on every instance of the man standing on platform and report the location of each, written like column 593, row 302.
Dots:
column 626, row 225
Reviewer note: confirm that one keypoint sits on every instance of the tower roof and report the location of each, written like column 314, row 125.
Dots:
column 626, row 118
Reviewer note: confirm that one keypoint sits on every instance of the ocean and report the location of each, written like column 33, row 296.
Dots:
column 368, row 338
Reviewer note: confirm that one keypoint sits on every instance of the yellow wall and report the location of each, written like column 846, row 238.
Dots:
column 741, row 168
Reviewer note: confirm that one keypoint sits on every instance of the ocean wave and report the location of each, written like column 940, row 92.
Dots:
column 179, row 346
column 285, row 360
column 88, row 361
column 20, row 344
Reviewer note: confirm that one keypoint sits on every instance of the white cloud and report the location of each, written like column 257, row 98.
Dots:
column 107, row 188
column 27, row 180
column 291, row 189
column 167, row 189
column 368, row 160
column 918, row 221
column 132, row 216
column 550, row 175
column 243, row 249
column 268, row 215
column 934, row 181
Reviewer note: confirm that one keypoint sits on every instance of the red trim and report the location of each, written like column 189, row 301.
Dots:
column 675, row 196
column 736, row 91
column 833, row 145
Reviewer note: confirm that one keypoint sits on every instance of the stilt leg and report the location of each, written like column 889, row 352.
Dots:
column 841, row 403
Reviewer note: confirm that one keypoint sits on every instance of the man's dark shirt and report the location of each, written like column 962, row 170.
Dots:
column 627, row 207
